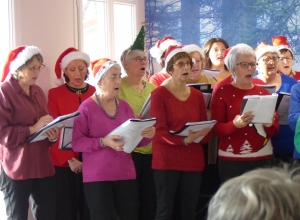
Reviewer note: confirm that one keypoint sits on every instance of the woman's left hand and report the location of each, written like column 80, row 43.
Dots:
column 148, row 132
column 52, row 133
column 270, row 124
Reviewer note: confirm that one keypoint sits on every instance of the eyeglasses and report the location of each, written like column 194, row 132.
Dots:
column 36, row 69
column 182, row 64
column 267, row 59
column 140, row 59
column 285, row 58
column 245, row 65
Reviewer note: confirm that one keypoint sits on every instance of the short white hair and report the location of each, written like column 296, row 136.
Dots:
column 262, row 194
column 233, row 55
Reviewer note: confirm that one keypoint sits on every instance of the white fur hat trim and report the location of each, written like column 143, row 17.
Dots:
column 75, row 55
column 22, row 57
column 267, row 49
column 190, row 48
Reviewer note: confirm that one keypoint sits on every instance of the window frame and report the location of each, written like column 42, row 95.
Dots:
column 138, row 18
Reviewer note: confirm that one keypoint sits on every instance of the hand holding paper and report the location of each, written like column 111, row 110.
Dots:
column 195, row 130
column 114, row 141
column 44, row 120
column 243, row 120
column 148, row 132
column 194, row 135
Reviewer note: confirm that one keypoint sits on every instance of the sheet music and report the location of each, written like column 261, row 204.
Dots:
column 145, row 111
column 262, row 107
column 195, row 126
column 58, row 122
column 211, row 73
column 131, row 132
column 283, row 110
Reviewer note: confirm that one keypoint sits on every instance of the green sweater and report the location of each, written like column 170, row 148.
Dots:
column 136, row 101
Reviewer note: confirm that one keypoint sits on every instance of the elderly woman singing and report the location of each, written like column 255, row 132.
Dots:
column 26, row 168
column 232, row 127
column 109, row 176
column 177, row 160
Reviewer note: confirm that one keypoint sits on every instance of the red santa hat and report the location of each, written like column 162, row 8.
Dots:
column 100, row 68
column 281, row 43
column 161, row 46
column 190, row 48
column 172, row 51
column 263, row 48
column 65, row 58
column 226, row 51
column 17, row 58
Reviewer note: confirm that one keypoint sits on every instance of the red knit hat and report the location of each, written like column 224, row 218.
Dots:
column 281, row 43
column 161, row 46
column 100, row 68
column 263, row 48
column 172, row 51
column 17, row 58
column 65, row 58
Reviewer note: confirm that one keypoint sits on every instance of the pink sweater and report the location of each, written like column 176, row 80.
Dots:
column 101, row 163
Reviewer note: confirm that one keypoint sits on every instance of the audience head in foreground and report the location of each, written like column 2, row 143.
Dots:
column 262, row 194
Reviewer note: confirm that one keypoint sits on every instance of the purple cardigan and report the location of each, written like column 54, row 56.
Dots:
column 102, row 163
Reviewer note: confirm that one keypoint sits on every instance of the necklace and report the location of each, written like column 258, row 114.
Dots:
column 117, row 107
column 77, row 91
column 37, row 115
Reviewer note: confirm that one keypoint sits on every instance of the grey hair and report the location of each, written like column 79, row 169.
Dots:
column 233, row 56
column 127, row 55
column 39, row 58
column 262, row 194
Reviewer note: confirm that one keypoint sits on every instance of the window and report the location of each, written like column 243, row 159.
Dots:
column 109, row 27
column 5, row 30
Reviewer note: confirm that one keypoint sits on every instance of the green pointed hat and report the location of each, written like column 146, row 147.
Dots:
column 139, row 43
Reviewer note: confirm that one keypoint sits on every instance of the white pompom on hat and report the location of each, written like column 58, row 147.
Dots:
column 18, row 57
column 263, row 48
column 65, row 58
column 161, row 46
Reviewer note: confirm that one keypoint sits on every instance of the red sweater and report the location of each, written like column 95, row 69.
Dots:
column 169, row 153
column 240, row 144
column 229, row 80
column 62, row 101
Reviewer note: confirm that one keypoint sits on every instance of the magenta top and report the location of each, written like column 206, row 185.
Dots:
column 19, row 159
column 102, row 163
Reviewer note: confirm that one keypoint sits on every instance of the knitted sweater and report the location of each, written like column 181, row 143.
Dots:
column 240, row 144
column 169, row 152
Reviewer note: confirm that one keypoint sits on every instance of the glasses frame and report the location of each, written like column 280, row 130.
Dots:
column 36, row 69
column 248, row 64
column 140, row 59
column 288, row 59
column 188, row 63
column 267, row 59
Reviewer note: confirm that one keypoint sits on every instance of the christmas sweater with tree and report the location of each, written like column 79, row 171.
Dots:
column 250, row 143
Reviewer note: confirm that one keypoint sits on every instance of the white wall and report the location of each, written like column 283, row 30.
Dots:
column 48, row 24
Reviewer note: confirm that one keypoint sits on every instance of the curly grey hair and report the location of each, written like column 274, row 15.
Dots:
column 262, row 194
